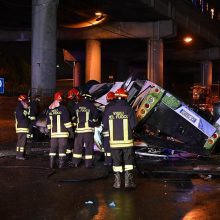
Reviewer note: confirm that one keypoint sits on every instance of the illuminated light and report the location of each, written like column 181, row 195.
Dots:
column 98, row 13
column 142, row 111
column 157, row 90
column 187, row 39
column 210, row 141
column 147, row 105
column 212, row 13
column 99, row 18
column 215, row 135
column 198, row 213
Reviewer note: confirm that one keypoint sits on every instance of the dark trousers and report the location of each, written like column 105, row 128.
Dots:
column 58, row 145
column 83, row 140
column 21, row 144
column 107, row 150
column 123, row 157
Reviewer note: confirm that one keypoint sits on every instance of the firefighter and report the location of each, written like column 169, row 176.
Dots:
column 60, row 128
column 21, row 126
column 85, row 119
column 110, row 97
column 73, row 98
column 119, row 119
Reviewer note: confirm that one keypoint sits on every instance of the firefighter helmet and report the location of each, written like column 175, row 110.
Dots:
column 73, row 93
column 23, row 98
column 121, row 93
column 110, row 96
column 58, row 96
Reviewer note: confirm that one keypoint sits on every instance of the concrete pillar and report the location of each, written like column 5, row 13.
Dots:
column 206, row 73
column 155, row 61
column 43, row 57
column 93, row 60
column 77, row 74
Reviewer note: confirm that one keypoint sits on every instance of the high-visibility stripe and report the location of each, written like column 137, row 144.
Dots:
column 77, row 155
column 129, row 167
column 87, row 121
column 68, row 125
column 21, row 149
column 49, row 126
column 17, row 148
column 84, row 130
column 60, row 135
column 22, row 130
column 58, row 124
column 111, row 128
column 108, row 154
column 62, row 155
column 105, row 133
column 116, row 144
column 68, row 151
column 88, row 157
column 32, row 118
column 125, row 129
column 117, row 169
column 52, row 154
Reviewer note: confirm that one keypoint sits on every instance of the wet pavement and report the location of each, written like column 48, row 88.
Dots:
column 185, row 189
column 30, row 190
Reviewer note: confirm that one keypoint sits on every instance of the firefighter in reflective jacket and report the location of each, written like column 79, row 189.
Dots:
column 60, row 128
column 73, row 98
column 86, row 117
column 21, row 126
column 110, row 97
column 120, row 119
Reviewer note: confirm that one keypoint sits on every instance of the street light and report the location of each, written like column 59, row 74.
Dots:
column 187, row 39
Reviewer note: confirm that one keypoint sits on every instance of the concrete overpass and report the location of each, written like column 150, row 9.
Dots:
column 151, row 22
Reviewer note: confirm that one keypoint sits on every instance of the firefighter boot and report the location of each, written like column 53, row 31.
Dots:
column 52, row 162
column 117, row 180
column 62, row 161
column 129, row 180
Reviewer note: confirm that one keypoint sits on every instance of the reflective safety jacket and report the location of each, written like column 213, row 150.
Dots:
column 105, row 132
column 21, row 119
column 86, row 116
column 58, row 122
column 120, row 119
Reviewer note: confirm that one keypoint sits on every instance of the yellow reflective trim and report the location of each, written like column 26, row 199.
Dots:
column 88, row 157
column 49, row 126
column 108, row 154
column 117, row 169
column 87, row 120
column 32, row 118
column 129, row 167
column 68, row 125
column 17, row 148
column 83, row 130
column 21, row 149
column 52, row 154
column 22, row 130
column 62, row 155
column 111, row 129
column 105, row 133
column 125, row 129
column 77, row 155
column 68, row 151
column 59, row 135
column 58, row 124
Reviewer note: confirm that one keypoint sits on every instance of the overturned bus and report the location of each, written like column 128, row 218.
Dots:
column 166, row 125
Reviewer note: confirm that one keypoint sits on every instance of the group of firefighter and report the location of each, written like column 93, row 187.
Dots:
column 71, row 131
